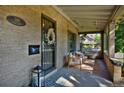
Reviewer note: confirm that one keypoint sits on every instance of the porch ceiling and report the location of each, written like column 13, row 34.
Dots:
column 91, row 18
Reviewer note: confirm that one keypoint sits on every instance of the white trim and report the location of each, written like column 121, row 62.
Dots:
column 63, row 14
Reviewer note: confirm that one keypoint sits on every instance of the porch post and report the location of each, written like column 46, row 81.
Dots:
column 102, row 44
column 111, row 39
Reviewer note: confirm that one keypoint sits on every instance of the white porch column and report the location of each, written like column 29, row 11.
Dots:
column 111, row 39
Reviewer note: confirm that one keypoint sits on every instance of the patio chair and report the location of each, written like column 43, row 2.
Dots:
column 76, row 59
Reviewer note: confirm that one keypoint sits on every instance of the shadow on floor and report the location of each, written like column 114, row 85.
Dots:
column 97, row 67
column 72, row 77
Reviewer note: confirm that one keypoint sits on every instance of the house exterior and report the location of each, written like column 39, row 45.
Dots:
column 15, row 62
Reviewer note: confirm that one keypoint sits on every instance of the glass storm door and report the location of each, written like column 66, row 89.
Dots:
column 48, row 42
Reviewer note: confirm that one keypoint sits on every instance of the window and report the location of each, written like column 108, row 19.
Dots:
column 71, row 41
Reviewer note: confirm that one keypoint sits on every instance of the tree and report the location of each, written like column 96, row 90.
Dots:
column 97, row 38
column 119, row 40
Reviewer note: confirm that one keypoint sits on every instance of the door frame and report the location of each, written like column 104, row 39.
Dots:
column 44, row 16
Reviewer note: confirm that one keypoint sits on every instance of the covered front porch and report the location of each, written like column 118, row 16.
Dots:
column 45, row 38
column 93, row 73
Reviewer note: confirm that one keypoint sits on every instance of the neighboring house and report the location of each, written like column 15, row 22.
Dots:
column 90, row 40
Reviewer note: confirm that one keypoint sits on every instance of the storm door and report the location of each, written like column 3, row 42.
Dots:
column 48, row 42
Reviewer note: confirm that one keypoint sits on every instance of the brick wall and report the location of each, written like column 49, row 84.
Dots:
column 109, row 65
column 114, row 70
column 15, row 64
column 117, row 77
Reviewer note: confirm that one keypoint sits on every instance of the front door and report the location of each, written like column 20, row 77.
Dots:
column 48, row 42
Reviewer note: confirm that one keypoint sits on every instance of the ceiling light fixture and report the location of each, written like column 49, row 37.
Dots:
column 16, row 20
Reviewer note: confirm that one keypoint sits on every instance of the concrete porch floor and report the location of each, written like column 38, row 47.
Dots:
column 97, row 67
column 92, row 74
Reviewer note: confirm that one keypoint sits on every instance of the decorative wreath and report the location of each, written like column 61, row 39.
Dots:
column 51, row 36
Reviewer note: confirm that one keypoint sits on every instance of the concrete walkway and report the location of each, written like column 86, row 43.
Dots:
column 72, row 77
